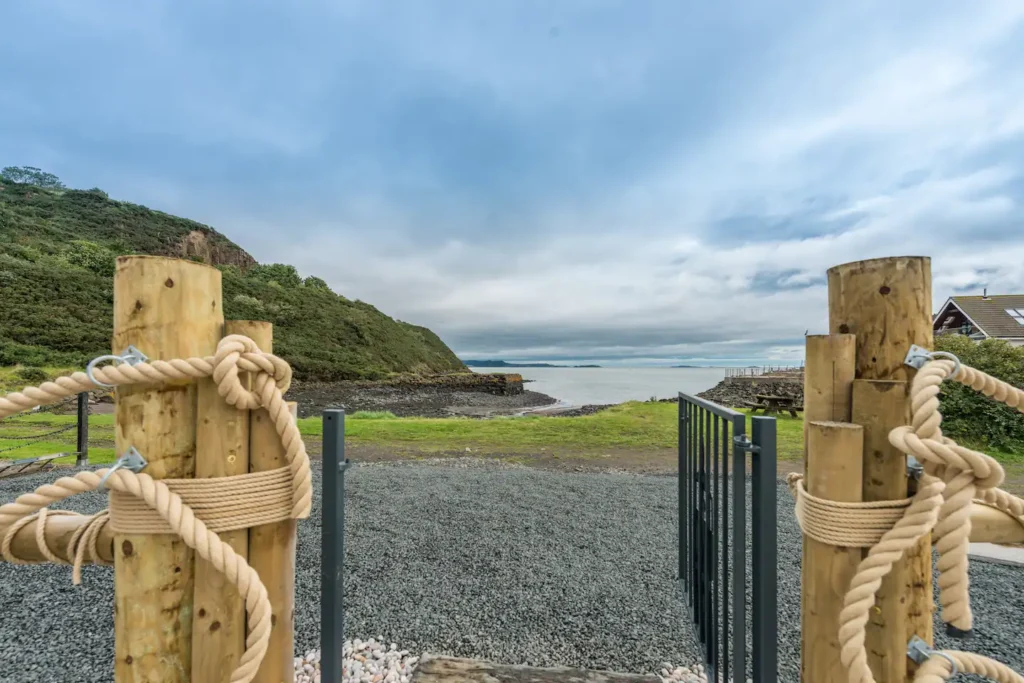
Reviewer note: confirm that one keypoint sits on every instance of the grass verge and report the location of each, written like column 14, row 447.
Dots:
column 631, row 426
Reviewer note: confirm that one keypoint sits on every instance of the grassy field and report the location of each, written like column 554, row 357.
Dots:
column 631, row 426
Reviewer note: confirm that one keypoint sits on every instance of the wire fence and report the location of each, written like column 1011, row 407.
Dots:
column 13, row 439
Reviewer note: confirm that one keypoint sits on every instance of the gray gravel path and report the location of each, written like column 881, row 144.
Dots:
column 506, row 563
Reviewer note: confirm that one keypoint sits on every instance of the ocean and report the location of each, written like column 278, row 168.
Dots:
column 583, row 386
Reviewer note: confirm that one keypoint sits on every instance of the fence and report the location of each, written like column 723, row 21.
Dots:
column 332, row 547
column 763, row 370
column 10, row 468
column 713, row 537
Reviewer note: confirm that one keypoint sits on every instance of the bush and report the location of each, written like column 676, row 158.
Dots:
column 32, row 374
column 971, row 417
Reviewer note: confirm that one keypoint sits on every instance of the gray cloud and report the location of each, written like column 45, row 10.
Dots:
column 665, row 183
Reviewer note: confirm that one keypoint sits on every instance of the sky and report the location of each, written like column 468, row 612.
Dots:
column 635, row 182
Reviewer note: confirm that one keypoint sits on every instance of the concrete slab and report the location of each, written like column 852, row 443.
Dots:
column 991, row 552
column 436, row 669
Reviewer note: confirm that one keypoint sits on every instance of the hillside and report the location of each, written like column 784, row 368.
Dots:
column 57, row 251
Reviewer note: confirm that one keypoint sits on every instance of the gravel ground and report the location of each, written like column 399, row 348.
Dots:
column 505, row 563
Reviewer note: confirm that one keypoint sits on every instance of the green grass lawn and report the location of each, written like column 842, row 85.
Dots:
column 634, row 426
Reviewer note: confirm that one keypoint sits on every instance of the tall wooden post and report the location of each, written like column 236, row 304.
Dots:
column 222, row 450
column 834, row 464
column 167, row 308
column 887, row 304
column 272, row 546
column 828, row 379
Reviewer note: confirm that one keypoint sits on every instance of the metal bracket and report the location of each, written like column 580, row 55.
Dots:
column 743, row 442
column 131, row 356
column 131, row 460
column 914, row 467
column 917, row 356
column 919, row 653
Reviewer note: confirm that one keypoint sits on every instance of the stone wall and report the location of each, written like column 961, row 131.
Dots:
column 738, row 392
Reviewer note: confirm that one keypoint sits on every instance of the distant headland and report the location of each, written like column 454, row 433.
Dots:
column 506, row 364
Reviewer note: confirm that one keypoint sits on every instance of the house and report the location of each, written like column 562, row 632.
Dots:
column 999, row 316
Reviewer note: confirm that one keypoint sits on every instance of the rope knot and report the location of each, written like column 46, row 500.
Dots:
column 237, row 353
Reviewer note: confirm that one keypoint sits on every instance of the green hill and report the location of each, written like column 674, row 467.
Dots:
column 57, row 251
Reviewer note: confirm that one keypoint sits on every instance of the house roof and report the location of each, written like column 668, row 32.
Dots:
column 989, row 313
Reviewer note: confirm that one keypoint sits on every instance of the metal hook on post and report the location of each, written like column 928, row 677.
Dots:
column 131, row 356
column 919, row 652
column 131, row 460
column 917, row 356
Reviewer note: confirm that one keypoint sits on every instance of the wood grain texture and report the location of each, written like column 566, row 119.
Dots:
column 828, row 379
column 167, row 308
column 272, row 546
column 879, row 406
column 834, row 472
column 433, row 669
column 222, row 450
column 887, row 304
column 59, row 531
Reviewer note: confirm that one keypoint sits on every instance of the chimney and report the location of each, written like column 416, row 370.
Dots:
column 984, row 294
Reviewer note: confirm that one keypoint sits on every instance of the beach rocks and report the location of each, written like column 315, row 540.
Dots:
column 369, row 661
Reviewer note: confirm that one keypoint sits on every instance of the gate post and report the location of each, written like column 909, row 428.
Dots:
column 166, row 308
column 886, row 304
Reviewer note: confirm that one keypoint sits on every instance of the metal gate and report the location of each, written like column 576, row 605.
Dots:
column 713, row 538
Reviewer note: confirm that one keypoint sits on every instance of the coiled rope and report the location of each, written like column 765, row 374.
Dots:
column 216, row 499
column 954, row 479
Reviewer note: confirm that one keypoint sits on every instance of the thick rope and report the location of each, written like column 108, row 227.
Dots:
column 851, row 525
column 953, row 478
column 142, row 504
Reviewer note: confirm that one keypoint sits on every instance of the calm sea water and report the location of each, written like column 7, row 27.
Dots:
column 582, row 386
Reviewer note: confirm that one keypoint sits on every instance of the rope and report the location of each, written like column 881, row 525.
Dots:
column 851, row 525
column 141, row 504
column 954, row 479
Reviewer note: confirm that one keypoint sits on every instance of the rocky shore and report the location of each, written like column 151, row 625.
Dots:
column 468, row 395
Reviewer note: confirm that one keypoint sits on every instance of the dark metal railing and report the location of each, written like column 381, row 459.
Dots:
column 713, row 537
column 332, row 548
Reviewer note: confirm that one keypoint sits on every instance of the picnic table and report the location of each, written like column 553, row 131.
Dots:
column 770, row 404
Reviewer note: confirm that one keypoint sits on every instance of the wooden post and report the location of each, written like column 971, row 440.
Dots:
column 828, row 379
column 834, row 472
column 887, row 304
column 222, row 450
column 272, row 546
column 167, row 308
column 880, row 406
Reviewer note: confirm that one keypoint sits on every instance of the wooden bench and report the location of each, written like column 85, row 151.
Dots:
column 771, row 405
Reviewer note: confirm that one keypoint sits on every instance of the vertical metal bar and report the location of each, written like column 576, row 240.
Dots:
column 739, row 555
column 725, row 550
column 765, row 552
column 716, row 597
column 83, row 430
column 693, row 502
column 332, row 551
column 698, row 560
column 681, row 503
column 709, row 546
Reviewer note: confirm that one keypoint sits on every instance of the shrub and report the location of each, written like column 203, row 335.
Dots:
column 972, row 417
column 31, row 374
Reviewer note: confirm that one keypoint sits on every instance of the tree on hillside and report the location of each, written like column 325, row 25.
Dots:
column 30, row 175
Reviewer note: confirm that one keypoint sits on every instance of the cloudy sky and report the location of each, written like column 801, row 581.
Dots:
column 585, row 179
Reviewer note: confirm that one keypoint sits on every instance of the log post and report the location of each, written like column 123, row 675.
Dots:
column 834, row 472
column 167, row 308
column 272, row 546
column 828, row 379
column 887, row 304
column 222, row 450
